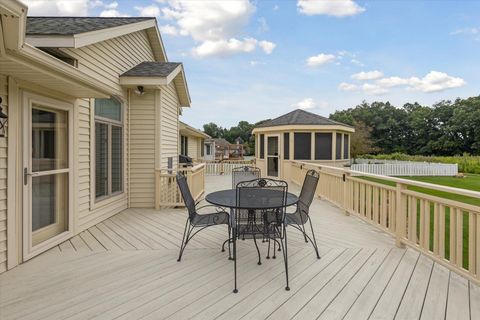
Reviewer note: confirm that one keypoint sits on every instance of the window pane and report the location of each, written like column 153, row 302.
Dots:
column 202, row 149
column 323, row 146
column 108, row 108
column 117, row 159
column 49, row 139
column 302, row 146
column 262, row 146
column 339, row 147
column 286, row 146
column 345, row 146
column 101, row 160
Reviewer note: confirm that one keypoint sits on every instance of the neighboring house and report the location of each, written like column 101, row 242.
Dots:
column 300, row 135
column 93, row 107
column 192, row 142
column 221, row 149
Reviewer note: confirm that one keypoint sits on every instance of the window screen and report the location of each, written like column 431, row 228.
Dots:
column 202, row 149
column 345, row 146
column 109, row 109
column 302, row 146
column 338, row 153
column 262, row 146
column 117, row 159
column 101, row 160
column 286, row 146
column 323, row 146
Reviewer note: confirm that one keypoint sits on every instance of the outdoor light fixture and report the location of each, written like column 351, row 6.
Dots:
column 140, row 90
column 3, row 120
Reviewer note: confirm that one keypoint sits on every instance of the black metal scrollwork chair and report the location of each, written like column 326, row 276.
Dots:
column 301, row 216
column 196, row 220
column 246, row 173
column 260, row 213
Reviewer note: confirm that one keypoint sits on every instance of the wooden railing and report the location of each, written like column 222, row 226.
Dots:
column 225, row 167
column 446, row 230
column 167, row 193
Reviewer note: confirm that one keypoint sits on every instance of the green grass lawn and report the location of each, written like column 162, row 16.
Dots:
column 470, row 182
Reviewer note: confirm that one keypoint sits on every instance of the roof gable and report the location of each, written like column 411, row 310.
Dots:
column 75, row 25
column 299, row 117
column 152, row 69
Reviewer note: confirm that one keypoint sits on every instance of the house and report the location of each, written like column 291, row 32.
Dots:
column 192, row 142
column 220, row 149
column 93, row 109
column 300, row 135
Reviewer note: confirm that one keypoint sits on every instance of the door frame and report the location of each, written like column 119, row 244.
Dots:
column 28, row 99
column 277, row 135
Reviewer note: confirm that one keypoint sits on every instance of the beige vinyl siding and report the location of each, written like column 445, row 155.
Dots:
column 3, row 182
column 142, row 149
column 108, row 59
column 192, row 147
column 85, row 214
column 169, row 144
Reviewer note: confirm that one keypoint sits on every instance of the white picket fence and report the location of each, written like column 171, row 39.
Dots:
column 404, row 168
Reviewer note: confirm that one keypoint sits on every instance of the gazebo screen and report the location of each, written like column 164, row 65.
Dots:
column 303, row 147
column 323, row 146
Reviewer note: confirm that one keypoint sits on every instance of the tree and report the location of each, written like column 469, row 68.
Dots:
column 361, row 142
column 213, row 130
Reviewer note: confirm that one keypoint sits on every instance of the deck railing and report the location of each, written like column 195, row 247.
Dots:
column 225, row 167
column 167, row 193
column 446, row 230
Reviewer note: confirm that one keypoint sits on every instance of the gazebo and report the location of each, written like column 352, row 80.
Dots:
column 302, row 136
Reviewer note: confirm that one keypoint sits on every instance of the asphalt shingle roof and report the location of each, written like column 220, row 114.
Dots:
column 75, row 25
column 299, row 117
column 151, row 69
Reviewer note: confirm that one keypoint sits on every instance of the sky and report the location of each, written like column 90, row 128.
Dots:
column 253, row 60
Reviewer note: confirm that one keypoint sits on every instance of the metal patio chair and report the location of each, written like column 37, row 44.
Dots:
column 246, row 173
column 267, row 197
column 196, row 220
column 301, row 216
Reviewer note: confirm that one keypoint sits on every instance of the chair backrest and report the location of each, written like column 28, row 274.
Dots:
column 186, row 195
column 307, row 194
column 246, row 173
column 263, row 200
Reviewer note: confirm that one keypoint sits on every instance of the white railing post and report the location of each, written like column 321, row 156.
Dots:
column 346, row 195
column 400, row 216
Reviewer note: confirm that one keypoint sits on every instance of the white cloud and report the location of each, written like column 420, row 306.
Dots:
column 224, row 47
column 435, row 81
column 276, row 7
column 320, row 59
column 392, row 82
column 169, row 29
column 357, row 62
column 347, row 86
column 267, row 46
column 373, row 89
column 263, row 25
column 57, row 7
column 216, row 25
column 307, row 103
column 113, row 13
column 337, row 8
column 369, row 75
column 148, row 11
column 472, row 32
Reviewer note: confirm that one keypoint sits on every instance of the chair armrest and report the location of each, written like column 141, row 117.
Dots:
column 217, row 208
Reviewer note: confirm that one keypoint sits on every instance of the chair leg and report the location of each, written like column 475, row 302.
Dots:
column 314, row 239
column 304, row 232
column 268, row 250
column 184, row 241
column 274, row 249
column 258, row 250
column 235, row 290
column 285, row 256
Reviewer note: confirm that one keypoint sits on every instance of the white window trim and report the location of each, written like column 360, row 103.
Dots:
column 96, row 203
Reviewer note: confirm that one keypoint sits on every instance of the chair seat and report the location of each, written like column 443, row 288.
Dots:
column 210, row 219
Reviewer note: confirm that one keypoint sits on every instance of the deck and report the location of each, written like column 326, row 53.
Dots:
column 125, row 268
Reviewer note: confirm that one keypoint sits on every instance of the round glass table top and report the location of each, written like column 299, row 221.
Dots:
column 260, row 199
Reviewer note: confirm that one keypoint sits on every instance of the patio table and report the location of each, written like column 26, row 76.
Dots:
column 258, row 200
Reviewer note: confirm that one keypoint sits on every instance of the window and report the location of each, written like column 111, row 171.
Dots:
column 338, row 153
column 262, row 146
column 209, row 149
column 323, row 146
column 108, row 148
column 202, row 149
column 345, row 146
column 184, row 146
column 286, row 146
column 302, row 146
